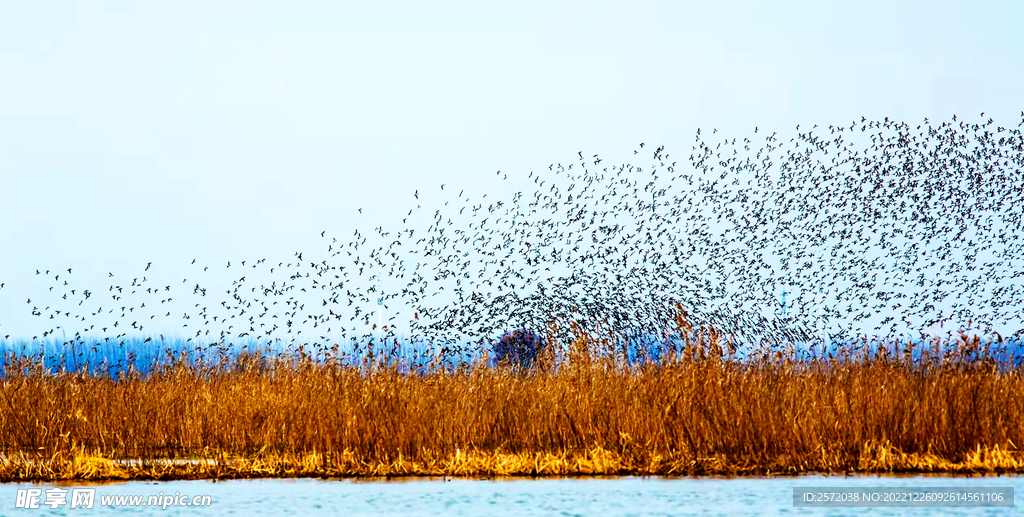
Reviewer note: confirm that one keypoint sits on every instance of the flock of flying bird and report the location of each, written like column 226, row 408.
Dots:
column 878, row 221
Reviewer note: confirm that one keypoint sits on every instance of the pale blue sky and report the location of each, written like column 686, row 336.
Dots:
column 144, row 131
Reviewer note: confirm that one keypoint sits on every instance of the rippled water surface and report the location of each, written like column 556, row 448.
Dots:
column 582, row 496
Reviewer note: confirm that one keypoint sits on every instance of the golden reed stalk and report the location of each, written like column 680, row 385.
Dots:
column 697, row 412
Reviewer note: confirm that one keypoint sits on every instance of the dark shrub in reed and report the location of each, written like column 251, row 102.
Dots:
column 518, row 348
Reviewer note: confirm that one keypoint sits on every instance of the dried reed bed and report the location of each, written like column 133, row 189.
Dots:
column 580, row 412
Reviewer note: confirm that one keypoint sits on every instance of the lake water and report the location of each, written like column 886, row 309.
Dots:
column 513, row 497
